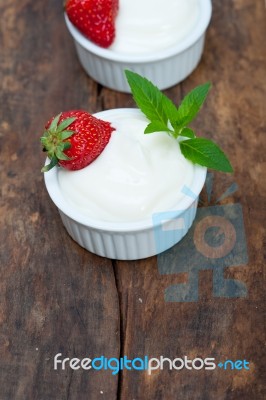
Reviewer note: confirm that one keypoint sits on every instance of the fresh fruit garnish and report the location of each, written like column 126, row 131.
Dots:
column 94, row 18
column 164, row 116
column 73, row 139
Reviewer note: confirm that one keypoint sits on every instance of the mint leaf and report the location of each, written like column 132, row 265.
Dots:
column 170, row 110
column 147, row 97
column 157, row 107
column 190, row 106
column 156, row 126
column 178, row 124
column 187, row 132
column 165, row 117
column 205, row 152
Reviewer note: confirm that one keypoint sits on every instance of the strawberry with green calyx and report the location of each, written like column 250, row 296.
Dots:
column 95, row 19
column 73, row 139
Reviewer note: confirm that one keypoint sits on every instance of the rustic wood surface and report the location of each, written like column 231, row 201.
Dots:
column 55, row 297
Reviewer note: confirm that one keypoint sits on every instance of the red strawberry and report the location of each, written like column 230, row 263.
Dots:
column 73, row 139
column 94, row 18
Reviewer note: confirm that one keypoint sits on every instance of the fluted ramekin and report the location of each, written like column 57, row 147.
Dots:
column 128, row 240
column 164, row 68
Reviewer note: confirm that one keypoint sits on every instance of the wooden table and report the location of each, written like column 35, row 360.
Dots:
column 56, row 297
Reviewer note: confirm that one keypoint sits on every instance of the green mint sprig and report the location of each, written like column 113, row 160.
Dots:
column 164, row 116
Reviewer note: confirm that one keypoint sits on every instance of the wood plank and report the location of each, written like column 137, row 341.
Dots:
column 55, row 296
column 219, row 327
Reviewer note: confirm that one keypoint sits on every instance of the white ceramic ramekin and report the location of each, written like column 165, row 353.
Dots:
column 128, row 240
column 164, row 68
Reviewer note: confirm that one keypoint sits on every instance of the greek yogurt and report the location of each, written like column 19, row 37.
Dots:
column 136, row 175
column 145, row 26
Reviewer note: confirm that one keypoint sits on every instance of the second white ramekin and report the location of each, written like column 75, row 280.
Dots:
column 164, row 68
column 128, row 240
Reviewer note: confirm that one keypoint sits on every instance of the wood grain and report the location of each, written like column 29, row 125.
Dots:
column 55, row 297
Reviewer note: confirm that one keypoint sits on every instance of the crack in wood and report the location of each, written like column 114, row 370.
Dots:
column 69, row 384
column 121, row 331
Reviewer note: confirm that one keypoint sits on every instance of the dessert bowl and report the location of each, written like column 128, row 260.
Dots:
column 165, row 68
column 128, row 240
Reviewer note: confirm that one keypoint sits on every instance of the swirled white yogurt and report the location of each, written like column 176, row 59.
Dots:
column 136, row 175
column 144, row 26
